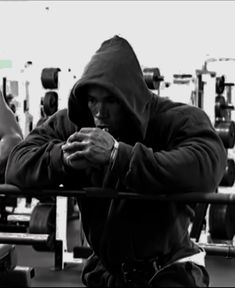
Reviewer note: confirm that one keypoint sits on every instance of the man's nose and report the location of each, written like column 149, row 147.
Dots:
column 101, row 110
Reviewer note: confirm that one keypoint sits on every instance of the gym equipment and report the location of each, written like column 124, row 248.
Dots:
column 226, row 131
column 12, row 275
column 42, row 221
column 220, row 85
column 28, row 116
column 62, row 194
column 49, row 78
column 97, row 192
column 229, row 175
column 7, row 257
column 218, row 249
column 24, row 238
column 9, row 220
column 50, row 103
column 222, row 108
column 228, row 87
column 221, row 216
column 20, row 276
column 222, row 221
column 200, row 84
column 182, row 78
column 152, row 78
column 224, row 125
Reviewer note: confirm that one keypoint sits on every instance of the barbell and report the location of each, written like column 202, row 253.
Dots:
column 96, row 192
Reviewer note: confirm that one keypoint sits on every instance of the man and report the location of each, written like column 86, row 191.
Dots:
column 118, row 134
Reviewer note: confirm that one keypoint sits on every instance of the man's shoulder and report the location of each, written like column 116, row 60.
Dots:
column 60, row 115
column 61, row 119
column 62, row 112
column 169, row 107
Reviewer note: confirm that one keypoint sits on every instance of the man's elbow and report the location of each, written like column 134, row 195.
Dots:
column 213, row 176
column 11, row 174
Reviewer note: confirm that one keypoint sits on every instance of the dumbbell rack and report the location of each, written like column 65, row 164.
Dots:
column 221, row 219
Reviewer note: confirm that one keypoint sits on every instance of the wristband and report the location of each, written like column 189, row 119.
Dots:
column 113, row 154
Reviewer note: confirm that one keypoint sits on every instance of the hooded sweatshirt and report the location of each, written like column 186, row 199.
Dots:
column 165, row 147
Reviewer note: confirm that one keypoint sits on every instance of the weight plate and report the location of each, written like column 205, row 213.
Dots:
column 50, row 103
column 42, row 221
column 152, row 77
column 49, row 78
column 222, row 221
column 226, row 131
column 229, row 175
column 220, row 104
column 220, row 85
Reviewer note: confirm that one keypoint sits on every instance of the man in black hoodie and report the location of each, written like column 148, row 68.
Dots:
column 117, row 134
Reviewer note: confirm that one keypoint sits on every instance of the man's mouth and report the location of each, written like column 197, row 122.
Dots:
column 103, row 126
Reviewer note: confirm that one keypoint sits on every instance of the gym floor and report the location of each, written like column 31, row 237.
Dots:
column 45, row 274
column 221, row 269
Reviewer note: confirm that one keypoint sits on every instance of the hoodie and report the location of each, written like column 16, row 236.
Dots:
column 165, row 147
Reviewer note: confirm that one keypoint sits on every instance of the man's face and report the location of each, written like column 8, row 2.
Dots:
column 105, row 108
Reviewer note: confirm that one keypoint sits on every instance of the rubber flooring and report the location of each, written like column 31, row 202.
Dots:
column 221, row 270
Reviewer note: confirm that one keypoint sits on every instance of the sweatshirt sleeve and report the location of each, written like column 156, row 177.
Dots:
column 193, row 158
column 37, row 160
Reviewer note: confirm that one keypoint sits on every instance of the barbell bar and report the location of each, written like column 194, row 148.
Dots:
column 97, row 192
column 23, row 238
column 217, row 249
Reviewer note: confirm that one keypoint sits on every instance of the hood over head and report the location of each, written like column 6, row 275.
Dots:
column 115, row 67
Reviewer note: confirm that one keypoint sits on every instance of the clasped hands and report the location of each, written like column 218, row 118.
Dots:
column 88, row 147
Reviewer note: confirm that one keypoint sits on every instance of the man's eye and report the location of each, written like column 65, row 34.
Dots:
column 112, row 100
column 91, row 100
